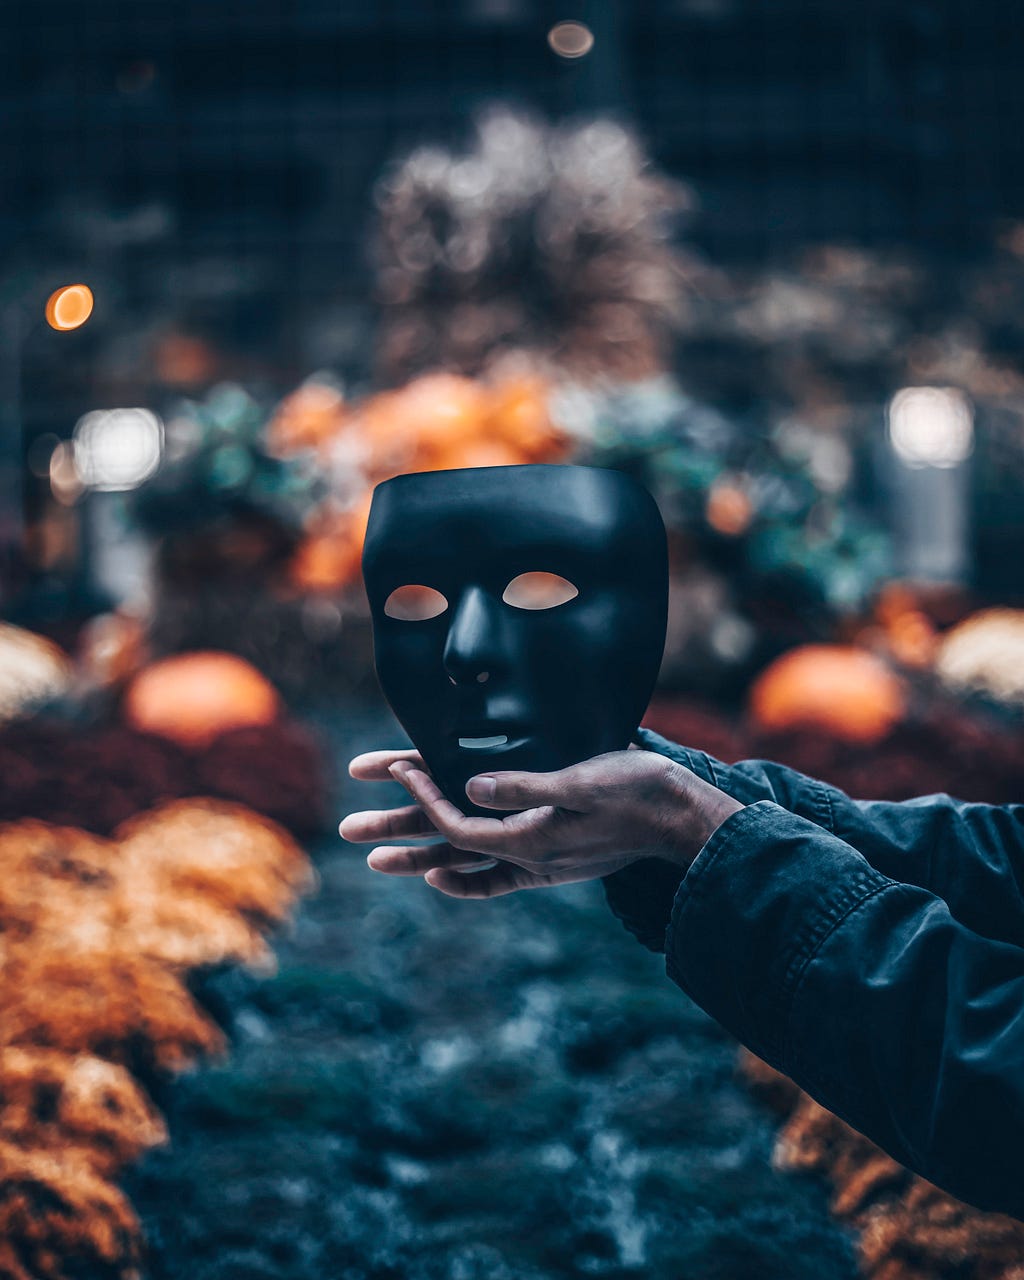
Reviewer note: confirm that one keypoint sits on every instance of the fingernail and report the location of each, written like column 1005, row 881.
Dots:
column 399, row 769
column 481, row 787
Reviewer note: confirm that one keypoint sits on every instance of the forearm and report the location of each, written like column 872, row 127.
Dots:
column 642, row 893
column 866, row 992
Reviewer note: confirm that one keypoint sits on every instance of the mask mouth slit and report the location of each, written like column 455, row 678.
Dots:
column 483, row 744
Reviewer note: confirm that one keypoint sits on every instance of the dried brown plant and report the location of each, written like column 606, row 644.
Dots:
column 907, row 1228
column 55, row 1209
column 97, row 938
column 551, row 240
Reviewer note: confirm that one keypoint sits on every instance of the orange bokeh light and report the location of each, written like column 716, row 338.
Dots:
column 728, row 509
column 69, row 306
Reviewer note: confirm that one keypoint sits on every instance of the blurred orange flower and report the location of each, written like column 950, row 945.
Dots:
column 438, row 422
column 844, row 690
column 907, row 1228
column 312, row 414
column 99, row 937
column 729, row 510
column 192, row 697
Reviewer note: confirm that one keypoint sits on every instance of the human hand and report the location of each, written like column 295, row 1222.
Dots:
column 579, row 823
column 407, row 823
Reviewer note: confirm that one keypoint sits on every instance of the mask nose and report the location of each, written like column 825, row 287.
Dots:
column 472, row 650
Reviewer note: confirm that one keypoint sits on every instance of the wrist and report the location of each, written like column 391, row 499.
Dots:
column 694, row 811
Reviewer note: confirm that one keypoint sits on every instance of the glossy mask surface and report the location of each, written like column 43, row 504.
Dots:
column 518, row 614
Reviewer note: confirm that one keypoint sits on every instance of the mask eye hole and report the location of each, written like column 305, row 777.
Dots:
column 415, row 603
column 539, row 591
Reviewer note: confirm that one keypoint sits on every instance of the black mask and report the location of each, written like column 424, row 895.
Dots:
column 518, row 614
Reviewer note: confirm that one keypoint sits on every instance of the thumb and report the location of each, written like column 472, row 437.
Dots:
column 516, row 790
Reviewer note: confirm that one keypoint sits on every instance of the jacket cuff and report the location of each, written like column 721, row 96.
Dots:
column 641, row 895
column 753, row 910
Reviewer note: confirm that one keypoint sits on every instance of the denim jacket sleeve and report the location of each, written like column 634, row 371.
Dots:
column 820, row 932
column 970, row 855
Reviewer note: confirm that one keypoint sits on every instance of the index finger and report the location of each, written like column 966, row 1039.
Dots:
column 373, row 766
column 502, row 837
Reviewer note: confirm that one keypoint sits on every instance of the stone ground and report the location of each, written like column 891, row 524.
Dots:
column 436, row 1090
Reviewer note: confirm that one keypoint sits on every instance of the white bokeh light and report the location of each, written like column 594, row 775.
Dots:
column 931, row 426
column 117, row 448
column 571, row 39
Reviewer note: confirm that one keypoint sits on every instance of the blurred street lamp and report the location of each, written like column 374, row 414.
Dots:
column 112, row 451
column 68, row 307
column 117, row 449
column 595, row 77
column 571, row 39
column 11, row 501
column 930, row 437
column 931, row 426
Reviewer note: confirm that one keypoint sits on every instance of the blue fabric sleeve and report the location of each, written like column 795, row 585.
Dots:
column 864, row 991
column 817, row 930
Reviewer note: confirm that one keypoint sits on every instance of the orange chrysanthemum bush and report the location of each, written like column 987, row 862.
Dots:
column 437, row 422
column 98, row 938
column 907, row 1228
